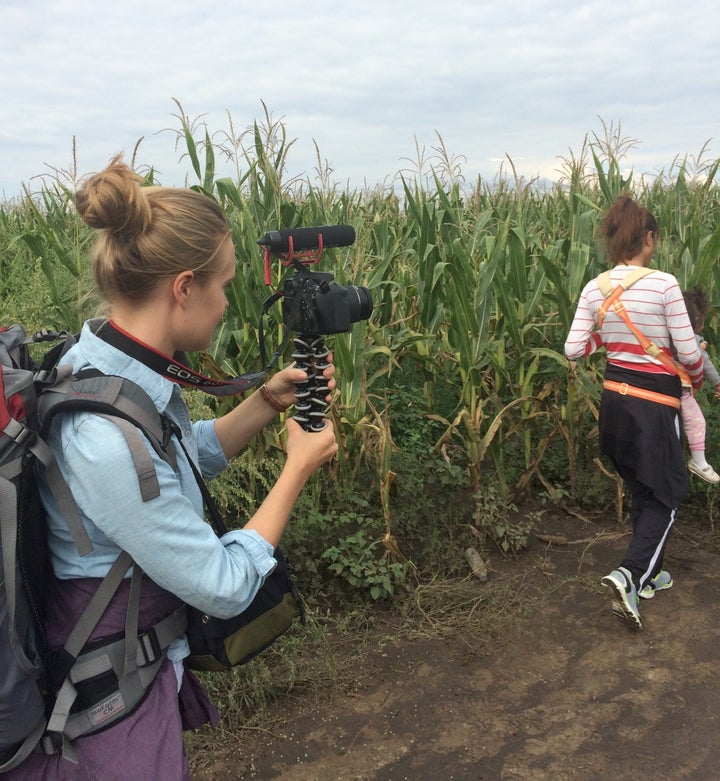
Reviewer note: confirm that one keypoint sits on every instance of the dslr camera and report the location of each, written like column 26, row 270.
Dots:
column 312, row 305
column 311, row 302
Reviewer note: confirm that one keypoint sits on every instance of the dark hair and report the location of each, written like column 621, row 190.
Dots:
column 147, row 234
column 697, row 305
column 625, row 226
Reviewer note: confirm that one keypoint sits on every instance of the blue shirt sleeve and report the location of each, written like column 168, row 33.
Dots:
column 167, row 536
column 211, row 459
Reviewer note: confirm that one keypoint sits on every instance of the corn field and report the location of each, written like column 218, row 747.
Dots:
column 474, row 289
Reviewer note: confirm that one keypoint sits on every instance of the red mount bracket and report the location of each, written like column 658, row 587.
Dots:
column 307, row 257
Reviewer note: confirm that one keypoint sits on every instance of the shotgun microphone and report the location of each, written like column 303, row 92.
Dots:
column 308, row 239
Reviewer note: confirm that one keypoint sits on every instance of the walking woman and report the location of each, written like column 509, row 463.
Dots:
column 639, row 423
column 162, row 260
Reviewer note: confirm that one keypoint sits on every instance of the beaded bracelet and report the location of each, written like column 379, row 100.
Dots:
column 272, row 400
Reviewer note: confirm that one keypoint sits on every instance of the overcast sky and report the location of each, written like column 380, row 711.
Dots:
column 528, row 79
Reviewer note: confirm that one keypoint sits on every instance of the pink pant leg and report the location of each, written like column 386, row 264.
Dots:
column 693, row 421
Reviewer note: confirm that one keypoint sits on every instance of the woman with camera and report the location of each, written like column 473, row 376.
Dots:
column 162, row 260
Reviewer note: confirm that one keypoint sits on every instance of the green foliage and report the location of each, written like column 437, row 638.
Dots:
column 355, row 559
column 337, row 549
column 500, row 521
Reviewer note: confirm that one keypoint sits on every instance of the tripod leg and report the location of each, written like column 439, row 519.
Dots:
column 302, row 355
column 320, row 386
column 310, row 355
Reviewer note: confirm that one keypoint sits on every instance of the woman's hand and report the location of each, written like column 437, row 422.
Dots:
column 282, row 385
column 307, row 451
column 236, row 428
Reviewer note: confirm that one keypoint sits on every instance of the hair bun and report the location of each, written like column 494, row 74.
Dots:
column 114, row 201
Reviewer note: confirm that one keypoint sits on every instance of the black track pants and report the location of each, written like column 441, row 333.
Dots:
column 652, row 521
column 642, row 439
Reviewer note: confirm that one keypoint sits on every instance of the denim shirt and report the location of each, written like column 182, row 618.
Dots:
column 167, row 536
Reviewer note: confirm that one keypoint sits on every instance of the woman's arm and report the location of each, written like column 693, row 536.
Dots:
column 306, row 452
column 582, row 339
column 167, row 536
column 235, row 429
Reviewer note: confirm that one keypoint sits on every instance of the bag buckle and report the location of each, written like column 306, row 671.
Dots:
column 149, row 646
column 623, row 389
column 50, row 743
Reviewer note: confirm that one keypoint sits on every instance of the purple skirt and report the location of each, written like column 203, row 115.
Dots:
column 148, row 744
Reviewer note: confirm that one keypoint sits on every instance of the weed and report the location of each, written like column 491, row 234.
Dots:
column 500, row 522
column 355, row 559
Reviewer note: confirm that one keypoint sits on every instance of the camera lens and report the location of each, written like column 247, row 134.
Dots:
column 359, row 303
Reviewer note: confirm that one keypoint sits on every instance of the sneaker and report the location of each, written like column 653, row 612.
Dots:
column 708, row 474
column 625, row 600
column 660, row 582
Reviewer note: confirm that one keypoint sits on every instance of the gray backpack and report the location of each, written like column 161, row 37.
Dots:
column 38, row 688
column 39, row 705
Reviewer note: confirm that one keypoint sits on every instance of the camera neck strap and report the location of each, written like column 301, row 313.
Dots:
column 174, row 368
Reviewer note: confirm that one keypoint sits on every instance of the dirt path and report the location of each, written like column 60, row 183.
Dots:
column 571, row 693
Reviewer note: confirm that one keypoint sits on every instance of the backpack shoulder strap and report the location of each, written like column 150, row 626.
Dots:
column 144, row 468
column 604, row 283
column 612, row 294
column 124, row 403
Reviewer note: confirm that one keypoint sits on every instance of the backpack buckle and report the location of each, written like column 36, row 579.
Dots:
column 149, row 647
column 50, row 743
column 21, row 435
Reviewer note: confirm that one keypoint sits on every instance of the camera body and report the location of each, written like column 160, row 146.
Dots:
column 312, row 305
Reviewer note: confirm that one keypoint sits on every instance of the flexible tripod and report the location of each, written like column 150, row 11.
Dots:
column 311, row 355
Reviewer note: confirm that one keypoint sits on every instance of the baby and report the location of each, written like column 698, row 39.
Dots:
column 693, row 419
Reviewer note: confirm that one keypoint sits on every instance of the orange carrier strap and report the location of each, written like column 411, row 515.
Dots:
column 631, row 390
column 613, row 302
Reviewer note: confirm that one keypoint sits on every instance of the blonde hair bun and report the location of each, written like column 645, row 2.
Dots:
column 113, row 200
column 147, row 234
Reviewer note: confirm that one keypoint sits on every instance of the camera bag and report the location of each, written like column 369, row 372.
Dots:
column 220, row 644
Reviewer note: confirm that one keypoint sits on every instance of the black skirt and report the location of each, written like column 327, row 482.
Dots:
column 642, row 438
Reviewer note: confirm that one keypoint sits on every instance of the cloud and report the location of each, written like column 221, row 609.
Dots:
column 364, row 80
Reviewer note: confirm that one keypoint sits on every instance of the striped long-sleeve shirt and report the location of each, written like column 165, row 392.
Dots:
column 655, row 305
